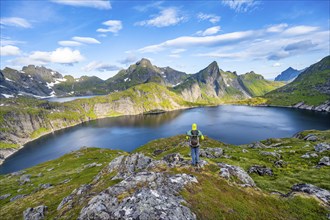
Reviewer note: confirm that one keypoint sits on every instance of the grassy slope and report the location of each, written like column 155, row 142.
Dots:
column 212, row 198
column 257, row 86
column 304, row 88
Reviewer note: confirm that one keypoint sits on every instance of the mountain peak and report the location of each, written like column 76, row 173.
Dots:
column 144, row 62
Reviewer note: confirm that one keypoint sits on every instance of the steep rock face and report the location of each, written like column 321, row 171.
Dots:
column 211, row 83
column 288, row 74
column 18, row 82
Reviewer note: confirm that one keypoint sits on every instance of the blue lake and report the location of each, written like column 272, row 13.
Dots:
column 229, row 124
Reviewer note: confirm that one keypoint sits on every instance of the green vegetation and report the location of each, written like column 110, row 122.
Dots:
column 65, row 174
column 39, row 132
column 256, row 85
column 310, row 87
column 211, row 198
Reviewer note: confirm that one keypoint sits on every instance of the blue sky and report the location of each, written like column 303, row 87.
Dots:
column 101, row 37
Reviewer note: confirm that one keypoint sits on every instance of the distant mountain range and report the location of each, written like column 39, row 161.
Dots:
column 311, row 87
column 288, row 74
column 208, row 85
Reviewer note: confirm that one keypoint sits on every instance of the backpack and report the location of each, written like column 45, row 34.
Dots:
column 194, row 139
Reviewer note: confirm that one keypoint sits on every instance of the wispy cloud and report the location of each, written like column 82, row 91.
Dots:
column 166, row 17
column 299, row 30
column 273, row 42
column 99, row 4
column 69, row 43
column 209, row 31
column 16, row 22
column 146, row 7
column 8, row 41
column 207, row 41
column 210, row 17
column 9, row 51
column 128, row 60
column 99, row 66
column 86, row 40
column 62, row 55
column 112, row 26
column 276, row 28
column 277, row 65
column 240, row 5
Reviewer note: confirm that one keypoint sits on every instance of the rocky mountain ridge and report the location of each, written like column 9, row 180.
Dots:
column 288, row 75
column 208, row 84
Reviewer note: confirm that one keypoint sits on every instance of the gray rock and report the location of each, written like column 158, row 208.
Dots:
column 173, row 159
column 76, row 194
column 126, row 165
column 45, row 185
column 309, row 155
column 39, row 175
column 280, row 163
column 17, row 197
column 237, row 172
column 92, row 165
column 35, row 213
column 5, row 196
column 306, row 156
column 310, row 137
column 211, row 152
column 260, row 170
column 50, row 169
column 143, row 195
column 18, row 173
column 322, row 194
column 224, row 172
column 325, row 161
column 273, row 154
column 257, row 145
column 157, row 152
column 25, row 179
column 245, row 151
column 322, row 147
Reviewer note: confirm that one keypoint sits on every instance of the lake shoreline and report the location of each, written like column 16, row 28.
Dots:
column 14, row 150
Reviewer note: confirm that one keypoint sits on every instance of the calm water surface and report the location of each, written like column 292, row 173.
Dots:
column 229, row 124
column 67, row 99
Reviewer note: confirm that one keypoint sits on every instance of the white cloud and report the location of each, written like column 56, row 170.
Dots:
column 69, row 43
column 87, row 40
column 167, row 17
column 240, row 5
column 99, row 66
column 62, row 55
column 209, row 31
column 8, row 41
column 276, row 65
column 176, row 51
column 99, row 4
column 113, row 26
column 300, row 30
column 9, row 50
column 207, row 41
column 277, row 28
column 210, row 17
column 174, row 55
column 16, row 22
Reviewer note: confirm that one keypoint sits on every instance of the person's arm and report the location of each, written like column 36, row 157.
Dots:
column 188, row 134
column 200, row 134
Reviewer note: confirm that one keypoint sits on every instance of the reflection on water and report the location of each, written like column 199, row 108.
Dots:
column 229, row 124
column 67, row 99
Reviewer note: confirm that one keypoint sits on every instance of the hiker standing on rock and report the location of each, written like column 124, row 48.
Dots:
column 193, row 136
